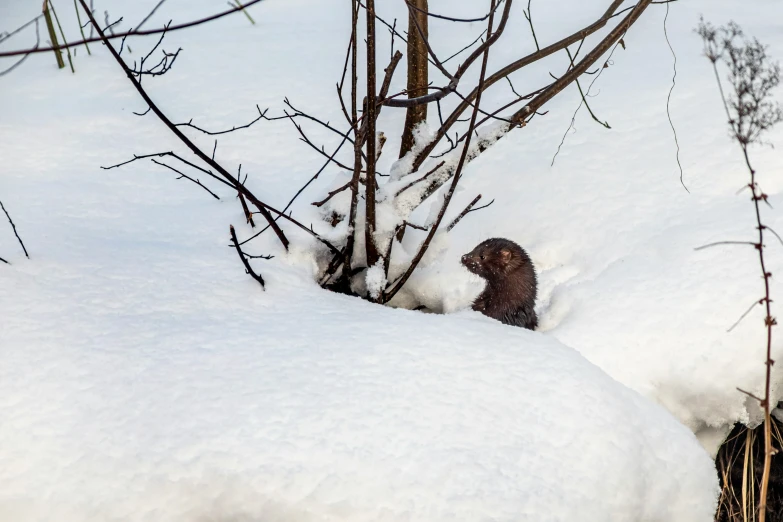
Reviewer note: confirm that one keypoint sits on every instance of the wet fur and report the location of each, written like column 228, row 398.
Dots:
column 510, row 294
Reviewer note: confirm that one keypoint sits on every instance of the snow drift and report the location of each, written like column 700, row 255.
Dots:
column 399, row 416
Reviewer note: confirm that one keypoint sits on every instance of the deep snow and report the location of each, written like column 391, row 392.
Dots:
column 144, row 376
column 237, row 406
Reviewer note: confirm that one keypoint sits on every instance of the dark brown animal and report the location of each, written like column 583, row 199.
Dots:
column 510, row 294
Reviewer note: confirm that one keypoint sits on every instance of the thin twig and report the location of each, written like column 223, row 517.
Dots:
column 754, row 305
column 463, row 213
column 584, row 95
column 331, row 194
column 583, row 101
column 450, row 18
column 196, row 181
column 245, row 262
column 423, row 178
column 669, row 98
column 534, row 57
column 726, row 243
column 529, row 17
column 752, row 396
column 81, row 28
column 175, row 156
column 150, row 14
column 23, row 58
column 262, row 207
column 239, row 4
column 135, row 32
column 14, row 228
column 261, row 115
column 5, row 36
column 471, row 44
column 248, row 214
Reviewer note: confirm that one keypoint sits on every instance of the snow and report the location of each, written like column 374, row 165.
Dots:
column 237, row 410
column 375, row 279
column 144, row 376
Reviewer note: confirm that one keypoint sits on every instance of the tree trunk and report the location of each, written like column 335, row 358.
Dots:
column 417, row 71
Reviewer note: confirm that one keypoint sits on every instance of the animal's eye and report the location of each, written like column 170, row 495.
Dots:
column 482, row 258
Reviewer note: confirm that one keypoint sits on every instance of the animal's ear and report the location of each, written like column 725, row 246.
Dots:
column 505, row 255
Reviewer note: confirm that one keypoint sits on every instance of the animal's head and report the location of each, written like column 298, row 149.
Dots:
column 493, row 258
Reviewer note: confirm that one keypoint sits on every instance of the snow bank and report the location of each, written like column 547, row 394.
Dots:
column 241, row 406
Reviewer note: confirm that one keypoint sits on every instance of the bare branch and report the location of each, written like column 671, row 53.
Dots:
column 467, row 211
column 471, row 44
column 135, row 32
column 754, row 305
column 181, row 175
column 463, row 213
column 752, row 396
column 527, row 60
column 150, row 14
column 392, row 290
column 421, row 179
column 14, row 228
column 752, row 111
column 529, row 16
column 23, row 58
column 245, row 262
column 262, row 207
column 175, row 156
column 261, row 115
column 669, row 98
column 370, row 115
column 5, row 35
column 450, row 18
column 461, row 70
column 709, row 245
column 332, row 194
column 521, row 116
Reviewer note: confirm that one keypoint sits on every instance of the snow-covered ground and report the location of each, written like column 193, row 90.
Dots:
column 144, row 376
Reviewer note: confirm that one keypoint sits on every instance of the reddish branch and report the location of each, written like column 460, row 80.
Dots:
column 751, row 111
column 371, row 109
column 357, row 152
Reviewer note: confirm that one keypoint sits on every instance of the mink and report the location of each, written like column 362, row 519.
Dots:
column 510, row 293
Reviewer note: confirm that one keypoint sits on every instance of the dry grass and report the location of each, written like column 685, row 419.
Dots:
column 740, row 464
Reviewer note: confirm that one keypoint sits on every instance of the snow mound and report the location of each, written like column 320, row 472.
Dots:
column 405, row 417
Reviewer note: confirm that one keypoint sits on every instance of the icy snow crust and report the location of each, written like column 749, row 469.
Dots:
column 144, row 376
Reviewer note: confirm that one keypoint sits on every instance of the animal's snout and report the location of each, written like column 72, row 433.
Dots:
column 465, row 259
